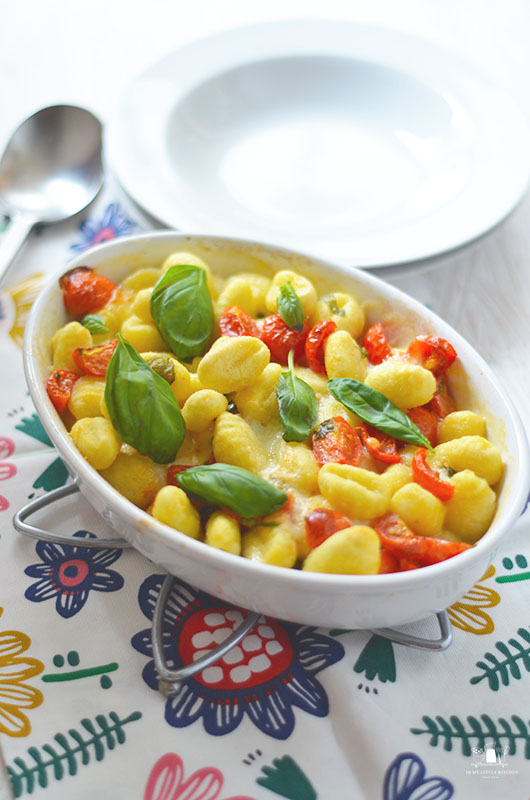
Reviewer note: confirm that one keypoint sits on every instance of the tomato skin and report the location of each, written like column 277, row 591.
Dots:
column 433, row 352
column 428, row 478
column 380, row 445
column 321, row 523
column 389, row 562
column 442, row 403
column 173, row 471
column 236, row 322
column 376, row 345
column 413, row 551
column 426, row 421
column 314, row 344
column 84, row 291
column 59, row 387
column 335, row 441
column 95, row 360
column 280, row 338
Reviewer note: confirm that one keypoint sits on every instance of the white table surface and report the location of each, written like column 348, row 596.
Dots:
column 85, row 53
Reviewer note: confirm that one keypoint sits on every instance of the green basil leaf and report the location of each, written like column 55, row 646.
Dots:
column 142, row 406
column 182, row 310
column 290, row 308
column 376, row 409
column 297, row 403
column 233, row 487
column 94, row 323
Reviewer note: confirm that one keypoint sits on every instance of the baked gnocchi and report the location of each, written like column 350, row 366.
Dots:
column 268, row 419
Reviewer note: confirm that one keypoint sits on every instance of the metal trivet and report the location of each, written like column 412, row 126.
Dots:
column 170, row 679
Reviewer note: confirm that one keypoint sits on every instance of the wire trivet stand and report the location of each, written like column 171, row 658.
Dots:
column 170, row 679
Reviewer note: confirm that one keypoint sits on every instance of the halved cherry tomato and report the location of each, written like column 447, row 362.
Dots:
column 428, row 478
column 59, row 387
column 335, row 441
column 376, row 345
column 413, row 551
column 321, row 523
column 380, row 445
column 405, row 564
column 173, row 471
column 389, row 562
column 236, row 322
column 426, row 421
column 84, row 291
column 432, row 352
column 280, row 338
column 314, row 344
column 442, row 403
column 95, row 360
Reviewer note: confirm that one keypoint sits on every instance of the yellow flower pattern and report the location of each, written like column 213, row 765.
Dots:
column 469, row 615
column 22, row 296
column 16, row 696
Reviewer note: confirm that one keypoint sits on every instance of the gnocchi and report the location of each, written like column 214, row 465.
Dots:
column 349, row 494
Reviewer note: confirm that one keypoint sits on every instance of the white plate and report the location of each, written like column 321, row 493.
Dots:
column 361, row 145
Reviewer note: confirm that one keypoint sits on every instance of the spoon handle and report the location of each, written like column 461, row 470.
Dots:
column 12, row 240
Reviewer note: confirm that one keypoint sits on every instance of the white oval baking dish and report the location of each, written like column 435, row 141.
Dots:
column 329, row 600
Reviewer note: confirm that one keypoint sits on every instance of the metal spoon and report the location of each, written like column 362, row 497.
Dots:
column 50, row 170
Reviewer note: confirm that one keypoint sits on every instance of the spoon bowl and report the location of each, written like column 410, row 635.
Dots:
column 51, row 169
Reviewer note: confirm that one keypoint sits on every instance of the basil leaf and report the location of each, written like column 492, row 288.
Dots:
column 297, row 403
column 233, row 487
column 94, row 323
column 376, row 409
column 182, row 310
column 290, row 308
column 142, row 406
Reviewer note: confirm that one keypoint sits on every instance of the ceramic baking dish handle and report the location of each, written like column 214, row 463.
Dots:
column 19, row 521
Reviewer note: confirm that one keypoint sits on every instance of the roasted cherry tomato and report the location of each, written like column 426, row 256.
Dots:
column 405, row 564
column 380, row 445
column 413, row 551
column 426, row 421
column 432, row 352
column 314, row 344
column 236, row 322
column 335, row 441
column 59, row 387
column 376, row 345
column 289, row 508
column 173, row 471
column 280, row 338
column 322, row 523
column 442, row 403
column 95, row 360
column 84, row 291
column 389, row 562
column 428, row 478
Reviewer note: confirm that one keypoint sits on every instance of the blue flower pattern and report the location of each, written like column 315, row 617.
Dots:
column 405, row 780
column 69, row 573
column 270, row 674
column 112, row 224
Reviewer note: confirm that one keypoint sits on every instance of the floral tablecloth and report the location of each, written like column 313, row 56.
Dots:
column 319, row 714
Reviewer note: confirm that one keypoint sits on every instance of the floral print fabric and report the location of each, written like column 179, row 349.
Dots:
column 292, row 712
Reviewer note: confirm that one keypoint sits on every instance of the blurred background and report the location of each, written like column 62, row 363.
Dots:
column 86, row 53
column 104, row 43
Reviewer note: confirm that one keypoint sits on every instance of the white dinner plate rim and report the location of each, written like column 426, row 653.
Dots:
column 124, row 155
